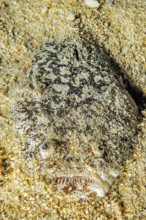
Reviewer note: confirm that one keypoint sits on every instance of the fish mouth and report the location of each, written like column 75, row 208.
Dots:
column 81, row 182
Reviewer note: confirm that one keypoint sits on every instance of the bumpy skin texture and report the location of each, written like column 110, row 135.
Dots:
column 77, row 117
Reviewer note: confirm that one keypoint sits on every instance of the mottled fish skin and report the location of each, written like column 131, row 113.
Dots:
column 77, row 117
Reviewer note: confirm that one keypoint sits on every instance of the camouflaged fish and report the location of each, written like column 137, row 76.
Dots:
column 77, row 117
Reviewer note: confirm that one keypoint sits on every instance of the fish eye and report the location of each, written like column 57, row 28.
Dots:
column 44, row 146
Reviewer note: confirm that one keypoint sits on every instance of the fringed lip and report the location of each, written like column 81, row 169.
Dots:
column 81, row 184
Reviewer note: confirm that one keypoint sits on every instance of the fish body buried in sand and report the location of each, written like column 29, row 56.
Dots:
column 77, row 117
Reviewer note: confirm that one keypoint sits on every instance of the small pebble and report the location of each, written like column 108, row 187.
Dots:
column 92, row 3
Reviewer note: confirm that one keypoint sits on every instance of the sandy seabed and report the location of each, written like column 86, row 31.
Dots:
column 24, row 27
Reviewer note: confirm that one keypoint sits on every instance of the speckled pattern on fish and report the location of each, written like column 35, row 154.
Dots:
column 77, row 117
